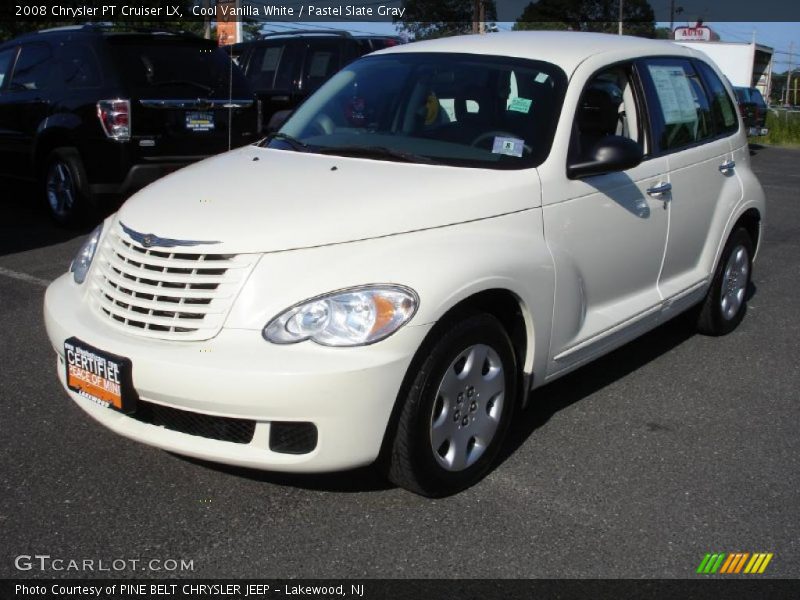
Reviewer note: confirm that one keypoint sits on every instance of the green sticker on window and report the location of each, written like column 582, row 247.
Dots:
column 522, row 105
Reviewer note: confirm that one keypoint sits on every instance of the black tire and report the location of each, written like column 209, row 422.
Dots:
column 413, row 462
column 712, row 318
column 64, row 187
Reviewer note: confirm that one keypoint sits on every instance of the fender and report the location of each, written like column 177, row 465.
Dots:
column 446, row 266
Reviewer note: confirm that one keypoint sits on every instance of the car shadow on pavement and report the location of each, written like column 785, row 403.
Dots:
column 364, row 479
column 25, row 224
column 546, row 401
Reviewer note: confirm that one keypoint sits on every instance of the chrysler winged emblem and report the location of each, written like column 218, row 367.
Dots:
column 149, row 240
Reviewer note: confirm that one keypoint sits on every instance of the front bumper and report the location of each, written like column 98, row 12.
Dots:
column 348, row 393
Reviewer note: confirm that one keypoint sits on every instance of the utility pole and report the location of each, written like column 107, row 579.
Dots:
column 207, row 21
column 787, row 95
column 479, row 16
column 621, row 4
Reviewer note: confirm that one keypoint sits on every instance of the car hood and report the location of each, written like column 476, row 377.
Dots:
column 262, row 200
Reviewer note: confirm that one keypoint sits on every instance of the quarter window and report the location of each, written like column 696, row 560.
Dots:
column 682, row 113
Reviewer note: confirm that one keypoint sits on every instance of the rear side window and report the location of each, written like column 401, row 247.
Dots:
column 34, row 68
column 681, row 112
column 6, row 56
column 154, row 67
column 79, row 66
column 722, row 110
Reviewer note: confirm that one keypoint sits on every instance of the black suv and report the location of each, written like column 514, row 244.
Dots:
column 92, row 113
column 285, row 68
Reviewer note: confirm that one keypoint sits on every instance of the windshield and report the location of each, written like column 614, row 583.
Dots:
column 455, row 109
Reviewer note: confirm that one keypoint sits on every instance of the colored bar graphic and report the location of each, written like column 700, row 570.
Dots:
column 726, row 567
column 703, row 563
column 741, row 562
column 719, row 562
column 733, row 563
column 765, row 563
column 757, row 564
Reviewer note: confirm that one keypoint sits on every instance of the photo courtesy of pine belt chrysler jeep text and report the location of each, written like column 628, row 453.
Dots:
column 440, row 229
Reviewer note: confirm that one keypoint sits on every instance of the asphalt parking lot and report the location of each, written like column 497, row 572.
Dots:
column 635, row 466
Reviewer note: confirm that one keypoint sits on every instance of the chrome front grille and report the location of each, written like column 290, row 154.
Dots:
column 154, row 292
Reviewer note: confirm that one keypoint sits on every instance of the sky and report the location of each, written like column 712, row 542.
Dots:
column 778, row 36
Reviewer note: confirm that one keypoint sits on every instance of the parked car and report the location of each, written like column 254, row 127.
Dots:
column 753, row 109
column 89, row 112
column 448, row 226
column 285, row 68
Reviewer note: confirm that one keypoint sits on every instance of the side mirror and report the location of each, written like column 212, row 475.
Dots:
column 277, row 120
column 612, row 153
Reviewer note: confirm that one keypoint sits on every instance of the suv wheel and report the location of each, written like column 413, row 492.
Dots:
column 457, row 409
column 64, row 184
column 726, row 302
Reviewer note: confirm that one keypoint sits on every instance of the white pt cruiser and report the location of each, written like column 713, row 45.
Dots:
column 442, row 228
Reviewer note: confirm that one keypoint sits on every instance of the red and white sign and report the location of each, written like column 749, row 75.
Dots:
column 695, row 34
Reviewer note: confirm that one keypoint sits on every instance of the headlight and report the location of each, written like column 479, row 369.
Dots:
column 80, row 265
column 352, row 317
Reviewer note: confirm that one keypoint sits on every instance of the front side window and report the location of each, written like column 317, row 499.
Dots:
column 6, row 57
column 607, row 107
column 34, row 68
column 456, row 109
column 681, row 112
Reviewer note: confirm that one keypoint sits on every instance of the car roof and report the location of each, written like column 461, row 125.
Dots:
column 564, row 48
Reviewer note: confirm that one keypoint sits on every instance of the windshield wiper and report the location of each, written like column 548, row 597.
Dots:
column 378, row 152
column 296, row 144
column 188, row 82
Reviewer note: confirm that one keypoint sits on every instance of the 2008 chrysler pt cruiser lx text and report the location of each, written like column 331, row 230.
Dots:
column 441, row 228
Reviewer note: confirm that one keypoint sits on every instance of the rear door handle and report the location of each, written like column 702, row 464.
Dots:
column 661, row 188
column 728, row 165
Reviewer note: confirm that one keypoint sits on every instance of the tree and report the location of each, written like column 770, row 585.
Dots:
column 589, row 15
column 427, row 19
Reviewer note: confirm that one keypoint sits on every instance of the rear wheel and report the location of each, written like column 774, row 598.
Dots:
column 64, row 187
column 726, row 303
column 457, row 409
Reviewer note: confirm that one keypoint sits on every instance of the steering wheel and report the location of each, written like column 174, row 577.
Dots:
column 493, row 134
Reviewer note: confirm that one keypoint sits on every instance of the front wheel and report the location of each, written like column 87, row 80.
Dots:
column 64, row 187
column 725, row 305
column 457, row 409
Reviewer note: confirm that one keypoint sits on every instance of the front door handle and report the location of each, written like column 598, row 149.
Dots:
column 728, row 165
column 661, row 188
